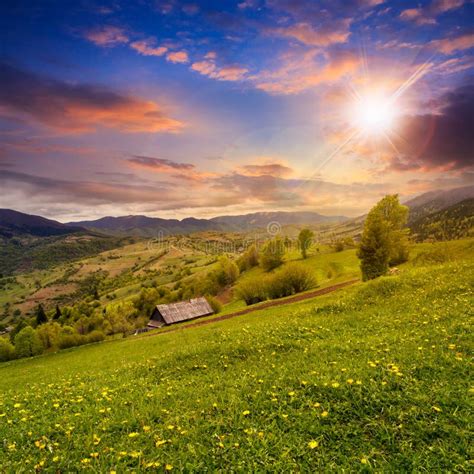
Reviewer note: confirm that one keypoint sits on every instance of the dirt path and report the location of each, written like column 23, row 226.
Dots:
column 268, row 304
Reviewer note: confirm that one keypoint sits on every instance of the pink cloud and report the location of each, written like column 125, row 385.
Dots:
column 178, row 57
column 450, row 45
column 147, row 48
column 107, row 36
column 225, row 73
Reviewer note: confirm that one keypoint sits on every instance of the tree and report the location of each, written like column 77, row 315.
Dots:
column 41, row 317
column 395, row 215
column 21, row 324
column 28, row 343
column 248, row 259
column 305, row 239
column 57, row 313
column 384, row 241
column 227, row 271
column 272, row 254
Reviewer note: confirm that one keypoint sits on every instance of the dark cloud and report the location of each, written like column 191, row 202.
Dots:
column 443, row 140
column 159, row 164
column 77, row 108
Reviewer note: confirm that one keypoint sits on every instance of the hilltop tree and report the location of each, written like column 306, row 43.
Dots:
column 41, row 317
column 305, row 239
column 384, row 240
column 272, row 254
column 248, row 259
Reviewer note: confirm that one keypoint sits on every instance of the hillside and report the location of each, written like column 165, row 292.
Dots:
column 374, row 377
column 435, row 201
column 144, row 226
column 14, row 223
column 454, row 222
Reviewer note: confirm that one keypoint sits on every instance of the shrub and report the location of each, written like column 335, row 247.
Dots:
column 305, row 239
column 292, row 279
column 215, row 304
column 28, row 343
column 7, row 351
column 272, row 254
column 95, row 336
column 227, row 272
column 252, row 290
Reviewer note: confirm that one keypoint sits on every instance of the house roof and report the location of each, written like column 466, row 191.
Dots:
column 176, row 312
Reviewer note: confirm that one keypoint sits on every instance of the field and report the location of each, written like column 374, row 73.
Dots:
column 375, row 377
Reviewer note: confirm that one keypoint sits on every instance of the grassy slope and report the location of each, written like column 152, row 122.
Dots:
column 387, row 362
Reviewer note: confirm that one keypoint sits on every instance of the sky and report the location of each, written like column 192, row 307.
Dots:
column 175, row 109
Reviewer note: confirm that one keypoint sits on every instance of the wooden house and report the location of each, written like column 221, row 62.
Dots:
column 166, row 314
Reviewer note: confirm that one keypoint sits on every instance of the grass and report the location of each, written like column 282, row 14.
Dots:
column 375, row 377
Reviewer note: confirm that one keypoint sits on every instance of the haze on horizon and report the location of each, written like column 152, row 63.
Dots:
column 176, row 109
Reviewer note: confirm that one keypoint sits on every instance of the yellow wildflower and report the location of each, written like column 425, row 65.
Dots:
column 313, row 444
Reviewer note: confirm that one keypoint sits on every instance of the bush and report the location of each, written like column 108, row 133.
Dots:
column 272, row 254
column 7, row 351
column 28, row 343
column 227, row 272
column 252, row 290
column 292, row 279
column 215, row 304
column 95, row 336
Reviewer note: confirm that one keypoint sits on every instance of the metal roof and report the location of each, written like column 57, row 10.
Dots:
column 184, row 310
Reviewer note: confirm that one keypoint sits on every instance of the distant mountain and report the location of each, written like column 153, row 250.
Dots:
column 435, row 201
column 13, row 223
column 454, row 222
column 144, row 226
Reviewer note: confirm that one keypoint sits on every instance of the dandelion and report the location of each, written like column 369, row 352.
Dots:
column 335, row 384
column 168, row 467
column 160, row 442
column 291, row 394
column 313, row 444
column 133, row 435
column 364, row 461
column 146, row 429
column 350, row 381
column 324, row 414
column 438, row 409
column 246, row 413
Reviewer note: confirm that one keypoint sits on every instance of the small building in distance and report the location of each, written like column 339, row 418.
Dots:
column 166, row 314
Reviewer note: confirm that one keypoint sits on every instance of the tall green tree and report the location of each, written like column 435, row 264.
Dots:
column 305, row 239
column 272, row 254
column 41, row 317
column 57, row 313
column 384, row 240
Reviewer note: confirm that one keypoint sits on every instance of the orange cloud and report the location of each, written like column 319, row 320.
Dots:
column 337, row 32
column 77, row 108
column 107, row 36
column 178, row 57
column 147, row 48
column 450, row 45
column 427, row 15
column 301, row 72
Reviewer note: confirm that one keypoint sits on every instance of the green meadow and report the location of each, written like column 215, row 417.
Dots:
column 373, row 377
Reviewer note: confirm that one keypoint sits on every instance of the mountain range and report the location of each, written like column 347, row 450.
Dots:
column 14, row 223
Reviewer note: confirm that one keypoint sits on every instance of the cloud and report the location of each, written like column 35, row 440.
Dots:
column 225, row 73
column 427, row 15
column 178, row 57
column 440, row 141
column 268, row 169
column 148, row 48
column 299, row 72
column 324, row 35
column 159, row 164
column 107, row 36
column 450, row 45
column 77, row 108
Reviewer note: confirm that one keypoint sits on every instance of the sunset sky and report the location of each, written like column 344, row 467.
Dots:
column 177, row 109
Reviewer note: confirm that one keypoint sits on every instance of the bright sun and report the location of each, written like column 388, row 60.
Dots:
column 374, row 114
